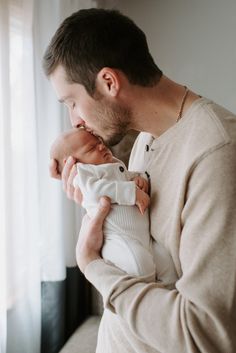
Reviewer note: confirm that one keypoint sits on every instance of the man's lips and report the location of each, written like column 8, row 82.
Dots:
column 86, row 128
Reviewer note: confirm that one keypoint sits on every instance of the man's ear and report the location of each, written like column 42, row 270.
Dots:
column 108, row 81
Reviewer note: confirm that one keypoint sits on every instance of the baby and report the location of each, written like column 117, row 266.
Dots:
column 127, row 241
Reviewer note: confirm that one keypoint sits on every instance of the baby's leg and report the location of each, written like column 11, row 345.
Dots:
column 128, row 254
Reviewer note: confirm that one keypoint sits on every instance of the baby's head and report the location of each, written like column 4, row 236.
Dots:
column 82, row 145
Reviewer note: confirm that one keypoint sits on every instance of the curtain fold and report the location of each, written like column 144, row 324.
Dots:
column 19, row 181
column 43, row 296
column 4, row 110
column 65, row 292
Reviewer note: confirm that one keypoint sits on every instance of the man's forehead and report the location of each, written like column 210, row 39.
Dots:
column 59, row 73
column 60, row 84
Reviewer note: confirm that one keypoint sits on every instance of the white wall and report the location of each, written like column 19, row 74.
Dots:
column 193, row 42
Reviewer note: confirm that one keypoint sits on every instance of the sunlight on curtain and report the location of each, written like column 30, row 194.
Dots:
column 38, row 225
column 3, row 191
column 20, row 266
column 60, row 219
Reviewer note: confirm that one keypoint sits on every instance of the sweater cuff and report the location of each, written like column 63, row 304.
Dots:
column 104, row 277
column 110, row 281
column 98, row 270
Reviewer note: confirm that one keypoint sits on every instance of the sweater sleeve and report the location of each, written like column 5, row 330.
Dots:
column 200, row 314
column 93, row 186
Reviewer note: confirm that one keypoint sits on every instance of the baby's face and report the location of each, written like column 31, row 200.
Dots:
column 92, row 150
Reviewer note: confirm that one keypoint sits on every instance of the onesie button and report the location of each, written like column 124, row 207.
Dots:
column 147, row 148
column 121, row 169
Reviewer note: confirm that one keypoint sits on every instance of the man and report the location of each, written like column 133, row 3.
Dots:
column 99, row 65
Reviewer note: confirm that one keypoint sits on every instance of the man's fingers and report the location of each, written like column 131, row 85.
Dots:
column 66, row 172
column 69, row 186
column 102, row 212
column 78, row 197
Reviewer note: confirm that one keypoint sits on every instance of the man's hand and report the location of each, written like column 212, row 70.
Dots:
column 142, row 200
column 67, row 176
column 91, row 235
column 142, row 183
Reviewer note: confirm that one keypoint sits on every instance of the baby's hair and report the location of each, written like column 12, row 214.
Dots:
column 61, row 149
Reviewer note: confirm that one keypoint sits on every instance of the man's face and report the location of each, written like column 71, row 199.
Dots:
column 102, row 116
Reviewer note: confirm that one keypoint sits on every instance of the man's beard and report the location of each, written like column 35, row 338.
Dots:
column 114, row 122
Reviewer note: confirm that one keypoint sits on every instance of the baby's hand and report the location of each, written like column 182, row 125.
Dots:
column 142, row 200
column 141, row 183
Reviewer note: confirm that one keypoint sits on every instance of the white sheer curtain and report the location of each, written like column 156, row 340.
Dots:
column 19, row 182
column 34, row 213
column 52, row 118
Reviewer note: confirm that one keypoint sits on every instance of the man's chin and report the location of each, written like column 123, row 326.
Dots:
column 114, row 140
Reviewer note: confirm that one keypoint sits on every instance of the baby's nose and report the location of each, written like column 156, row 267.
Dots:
column 101, row 146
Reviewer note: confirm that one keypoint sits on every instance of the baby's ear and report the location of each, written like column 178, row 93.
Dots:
column 76, row 160
column 54, row 169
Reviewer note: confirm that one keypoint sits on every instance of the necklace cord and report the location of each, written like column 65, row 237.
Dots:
column 182, row 104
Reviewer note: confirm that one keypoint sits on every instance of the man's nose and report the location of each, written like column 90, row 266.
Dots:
column 75, row 119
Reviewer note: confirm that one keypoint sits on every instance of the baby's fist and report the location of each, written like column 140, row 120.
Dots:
column 142, row 200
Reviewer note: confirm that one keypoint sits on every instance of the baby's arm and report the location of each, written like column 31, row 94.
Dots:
column 142, row 183
column 140, row 179
column 142, row 190
column 93, row 186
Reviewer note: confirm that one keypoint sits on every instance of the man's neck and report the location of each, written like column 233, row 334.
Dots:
column 156, row 109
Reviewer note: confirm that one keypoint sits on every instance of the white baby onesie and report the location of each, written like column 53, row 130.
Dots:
column 127, row 241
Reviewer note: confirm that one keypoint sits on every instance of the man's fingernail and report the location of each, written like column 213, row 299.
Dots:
column 70, row 159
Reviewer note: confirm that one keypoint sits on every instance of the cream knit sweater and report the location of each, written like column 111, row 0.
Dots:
column 192, row 170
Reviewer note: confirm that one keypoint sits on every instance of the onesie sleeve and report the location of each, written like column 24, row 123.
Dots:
column 133, row 175
column 200, row 314
column 94, row 185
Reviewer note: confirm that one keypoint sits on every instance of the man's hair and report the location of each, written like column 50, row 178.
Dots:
column 91, row 39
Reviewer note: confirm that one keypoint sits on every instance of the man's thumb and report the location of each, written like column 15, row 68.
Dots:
column 103, row 209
